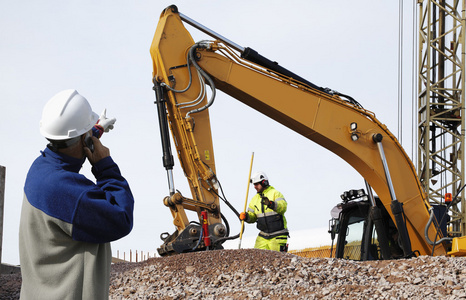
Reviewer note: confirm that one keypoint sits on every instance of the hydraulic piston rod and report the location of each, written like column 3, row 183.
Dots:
column 396, row 206
column 376, row 216
column 168, row 162
column 210, row 32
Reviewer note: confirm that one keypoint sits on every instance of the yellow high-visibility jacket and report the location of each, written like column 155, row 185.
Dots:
column 271, row 223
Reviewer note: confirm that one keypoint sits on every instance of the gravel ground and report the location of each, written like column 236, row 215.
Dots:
column 261, row 274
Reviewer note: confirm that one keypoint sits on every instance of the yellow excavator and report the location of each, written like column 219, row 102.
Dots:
column 390, row 218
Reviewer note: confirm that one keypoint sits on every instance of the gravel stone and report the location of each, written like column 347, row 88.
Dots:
column 270, row 275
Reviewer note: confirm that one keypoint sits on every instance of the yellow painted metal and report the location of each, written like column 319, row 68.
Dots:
column 192, row 135
column 458, row 247
column 315, row 115
column 246, row 201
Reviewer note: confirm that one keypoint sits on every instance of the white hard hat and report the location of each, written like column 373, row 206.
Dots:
column 67, row 115
column 258, row 177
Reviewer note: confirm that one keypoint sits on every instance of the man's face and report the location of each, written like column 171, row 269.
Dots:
column 258, row 187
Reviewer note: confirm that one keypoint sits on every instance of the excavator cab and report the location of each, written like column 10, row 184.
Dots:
column 354, row 229
column 359, row 237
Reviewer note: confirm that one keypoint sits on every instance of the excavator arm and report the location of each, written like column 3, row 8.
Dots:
column 182, row 108
column 183, row 70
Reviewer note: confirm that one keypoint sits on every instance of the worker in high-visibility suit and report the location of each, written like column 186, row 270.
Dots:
column 267, row 208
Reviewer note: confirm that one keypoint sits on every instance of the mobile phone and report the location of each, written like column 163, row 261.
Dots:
column 89, row 143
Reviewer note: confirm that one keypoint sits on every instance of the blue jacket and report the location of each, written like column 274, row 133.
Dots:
column 67, row 222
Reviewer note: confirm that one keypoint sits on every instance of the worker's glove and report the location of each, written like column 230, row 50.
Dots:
column 270, row 204
column 243, row 216
column 104, row 122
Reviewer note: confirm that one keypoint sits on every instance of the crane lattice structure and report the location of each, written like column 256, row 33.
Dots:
column 441, row 120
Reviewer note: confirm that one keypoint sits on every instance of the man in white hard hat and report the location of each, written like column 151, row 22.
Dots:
column 267, row 208
column 68, row 221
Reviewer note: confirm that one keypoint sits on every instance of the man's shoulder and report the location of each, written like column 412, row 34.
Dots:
column 55, row 192
column 271, row 189
column 274, row 191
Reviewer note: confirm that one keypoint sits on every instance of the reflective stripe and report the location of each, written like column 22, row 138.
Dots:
column 270, row 223
column 276, row 233
column 267, row 214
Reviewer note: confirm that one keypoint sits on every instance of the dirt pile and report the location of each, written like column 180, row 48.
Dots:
column 10, row 286
column 260, row 274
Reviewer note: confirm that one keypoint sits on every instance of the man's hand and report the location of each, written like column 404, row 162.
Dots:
column 100, row 151
column 243, row 216
column 104, row 122
column 270, row 204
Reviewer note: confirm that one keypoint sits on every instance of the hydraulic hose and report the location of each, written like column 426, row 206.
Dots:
column 434, row 243
column 204, row 74
column 227, row 237
column 349, row 99
column 221, row 240
column 224, row 198
column 253, row 56
column 189, row 59
column 227, row 225
column 426, row 229
column 199, row 98
column 189, row 83
column 199, row 241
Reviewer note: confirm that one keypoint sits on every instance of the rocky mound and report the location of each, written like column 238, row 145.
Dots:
column 261, row 274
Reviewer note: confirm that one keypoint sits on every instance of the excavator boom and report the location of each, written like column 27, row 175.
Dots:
column 333, row 121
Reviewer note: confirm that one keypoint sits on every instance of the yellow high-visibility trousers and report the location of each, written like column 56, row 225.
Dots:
column 278, row 243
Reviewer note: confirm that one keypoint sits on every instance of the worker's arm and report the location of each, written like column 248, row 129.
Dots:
column 280, row 203
column 104, row 211
column 276, row 203
column 251, row 212
column 252, row 218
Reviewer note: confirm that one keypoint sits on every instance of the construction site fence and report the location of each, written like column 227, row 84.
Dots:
column 351, row 252
column 323, row 251
column 136, row 256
